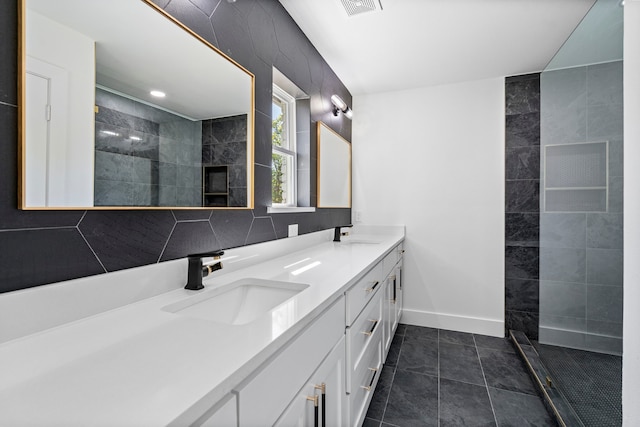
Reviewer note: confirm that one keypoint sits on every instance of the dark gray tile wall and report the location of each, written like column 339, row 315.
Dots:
column 522, row 203
column 40, row 247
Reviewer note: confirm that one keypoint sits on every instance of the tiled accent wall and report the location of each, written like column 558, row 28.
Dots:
column 160, row 167
column 522, row 212
column 581, row 252
column 44, row 247
column 224, row 143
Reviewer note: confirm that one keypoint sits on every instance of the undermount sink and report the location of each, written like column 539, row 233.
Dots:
column 237, row 303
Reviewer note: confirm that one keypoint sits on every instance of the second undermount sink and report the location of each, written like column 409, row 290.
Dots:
column 237, row 303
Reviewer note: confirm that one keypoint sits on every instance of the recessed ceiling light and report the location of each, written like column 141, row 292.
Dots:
column 158, row 94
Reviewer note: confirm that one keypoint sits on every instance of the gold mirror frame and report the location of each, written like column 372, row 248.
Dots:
column 22, row 56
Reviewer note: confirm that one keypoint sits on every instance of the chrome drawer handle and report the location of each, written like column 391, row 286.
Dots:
column 373, row 287
column 373, row 328
column 373, row 377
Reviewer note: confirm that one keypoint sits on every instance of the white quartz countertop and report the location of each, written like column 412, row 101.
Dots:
column 140, row 365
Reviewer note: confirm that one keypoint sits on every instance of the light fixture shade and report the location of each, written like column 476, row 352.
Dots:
column 338, row 102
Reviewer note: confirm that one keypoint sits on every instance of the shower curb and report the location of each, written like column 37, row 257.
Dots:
column 552, row 398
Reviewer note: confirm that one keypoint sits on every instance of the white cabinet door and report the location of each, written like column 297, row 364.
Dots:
column 322, row 402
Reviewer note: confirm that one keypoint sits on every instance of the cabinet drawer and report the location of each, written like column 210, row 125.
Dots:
column 364, row 381
column 263, row 399
column 359, row 294
column 363, row 333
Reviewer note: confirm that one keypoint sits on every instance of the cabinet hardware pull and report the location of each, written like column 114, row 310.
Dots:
column 372, row 288
column 314, row 399
column 323, row 389
column 373, row 377
column 370, row 331
column 395, row 283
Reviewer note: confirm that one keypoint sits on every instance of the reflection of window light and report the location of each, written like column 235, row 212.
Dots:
column 110, row 133
column 135, row 138
column 296, row 263
column 306, row 268
column 241, row 259
column 158, row 94
column 282, row 318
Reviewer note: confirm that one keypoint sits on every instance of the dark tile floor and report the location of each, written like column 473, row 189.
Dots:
column 435, row 377
column 590, row 382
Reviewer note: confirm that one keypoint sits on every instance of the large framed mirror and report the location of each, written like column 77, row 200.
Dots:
column 334, row 169
column 124, row 107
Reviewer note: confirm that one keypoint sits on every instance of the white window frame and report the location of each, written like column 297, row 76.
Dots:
column 289, row 101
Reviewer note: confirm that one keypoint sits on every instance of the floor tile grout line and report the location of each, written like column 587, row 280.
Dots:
column 393, row 377
column 484, row 377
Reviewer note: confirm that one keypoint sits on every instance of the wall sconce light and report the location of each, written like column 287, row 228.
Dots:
column 339, row 105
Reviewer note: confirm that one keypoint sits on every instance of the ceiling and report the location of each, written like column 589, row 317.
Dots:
column 417, row 43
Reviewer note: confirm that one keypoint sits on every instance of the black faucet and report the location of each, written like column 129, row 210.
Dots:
column 338, row 232
column 197, row 271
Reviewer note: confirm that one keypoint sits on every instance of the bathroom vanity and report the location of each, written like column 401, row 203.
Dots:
column 289, row 332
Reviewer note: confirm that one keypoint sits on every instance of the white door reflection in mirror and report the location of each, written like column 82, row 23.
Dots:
column 334, row 169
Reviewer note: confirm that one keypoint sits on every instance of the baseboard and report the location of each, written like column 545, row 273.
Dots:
column 452, row 322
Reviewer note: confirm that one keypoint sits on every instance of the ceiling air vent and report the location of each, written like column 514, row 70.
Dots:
column 355, row 7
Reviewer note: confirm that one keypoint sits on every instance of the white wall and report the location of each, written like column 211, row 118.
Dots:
column 433, row 160
column 631, row 320
column 72, row 156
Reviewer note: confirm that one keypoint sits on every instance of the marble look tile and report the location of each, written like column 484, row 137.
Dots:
column 603, row 344
column 605, row 122
column 604, row 84
column 238, row 197
column 524, row 321
column 145, row 194
column 563, row 299
column 604, row 303
column 368, row 422
column 574, row 324
column 616, row 194
column 183, row 240
column 189, row 196
column 522, row 262
column 505, row 371
column 522, row 229
column 413, row 400
column 198, row 21
column 113, row 166
column 616, row 157
column 418, row 355
column 522, row 196
column 563, row 230
column 381, row 394
column 112, row 193
column 517, row 409
column 145, row 171
column 167, row 174
column 563, row 265
column 168, row 195
column 605, row 266
column 261, row 230
column 522, row 294
column 231, row 227
column 464, row 404
column 604, row 230
column 400, row 331
column 522, row 94
column 522, row 163
column 522, row 130
column 460, row 363
column 455, row 337
column 610, row 329
column 563, row 89
column 496, row 343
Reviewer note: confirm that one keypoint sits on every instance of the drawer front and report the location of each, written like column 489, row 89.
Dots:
column 361, row 293
column 267, row 395
column 362, row 333
column 364, row 382
column 390, row 261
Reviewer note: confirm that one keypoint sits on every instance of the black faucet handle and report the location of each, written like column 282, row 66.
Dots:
column 215, row 254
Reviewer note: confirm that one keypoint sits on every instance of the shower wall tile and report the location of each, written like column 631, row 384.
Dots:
column 563, row 230
column 522, row 130
column 523, row 321
column 523, row 163
column 522, row 295
column 604, row 303
column 611, row 329
column 604, row 230
column 522, row 196
column 521, row 262
column 522, row 229
column 616, row 194
column 575, row 324
column 563, row 265
column 616, row 158
column 604, row 267
column 522, row 94
column 563, row 299
column 604, row 84
column 604, row 122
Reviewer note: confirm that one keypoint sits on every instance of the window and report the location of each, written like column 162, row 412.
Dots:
column 283, row 153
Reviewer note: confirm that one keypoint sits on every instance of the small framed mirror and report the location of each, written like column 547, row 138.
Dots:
column 334, row 169
column 124, row 107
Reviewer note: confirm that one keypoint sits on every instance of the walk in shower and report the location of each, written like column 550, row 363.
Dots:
column 581, row 200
